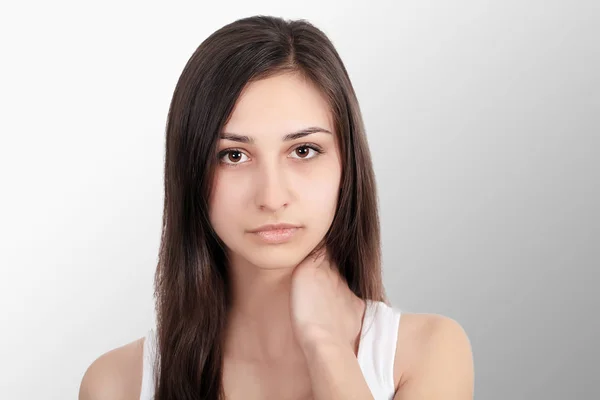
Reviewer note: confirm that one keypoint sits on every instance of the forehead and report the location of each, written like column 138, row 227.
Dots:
column 278, row 105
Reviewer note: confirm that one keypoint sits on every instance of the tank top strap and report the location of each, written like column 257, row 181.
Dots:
column 377, row 347
column 149, row 357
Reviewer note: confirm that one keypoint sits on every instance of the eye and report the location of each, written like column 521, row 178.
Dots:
column 306, row 151
column 232, row 156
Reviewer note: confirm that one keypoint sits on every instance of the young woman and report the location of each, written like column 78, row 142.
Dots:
column 269, row 282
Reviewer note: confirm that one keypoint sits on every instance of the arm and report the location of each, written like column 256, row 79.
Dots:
column 444, row 367
column 335, row 373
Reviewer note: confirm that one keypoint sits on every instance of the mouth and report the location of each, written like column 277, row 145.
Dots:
column 277, row 233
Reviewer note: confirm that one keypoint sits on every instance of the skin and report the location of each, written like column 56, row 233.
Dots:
column 294, row 325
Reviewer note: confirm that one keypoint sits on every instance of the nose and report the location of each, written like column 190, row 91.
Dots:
column 272, row 192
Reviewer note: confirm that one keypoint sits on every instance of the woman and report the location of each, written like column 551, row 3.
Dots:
column 269, row 283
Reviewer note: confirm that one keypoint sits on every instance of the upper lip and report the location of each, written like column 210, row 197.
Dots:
column 271, row 227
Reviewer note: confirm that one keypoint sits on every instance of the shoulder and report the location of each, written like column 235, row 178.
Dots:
column 433, row 358
column 116, row 374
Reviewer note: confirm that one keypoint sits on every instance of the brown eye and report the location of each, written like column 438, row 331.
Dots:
column 232, row 157
column 235, row 156
column 306, row 152
column 302, row 151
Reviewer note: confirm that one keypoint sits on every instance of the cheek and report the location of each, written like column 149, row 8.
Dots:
column 226, row 203
column 319, row 191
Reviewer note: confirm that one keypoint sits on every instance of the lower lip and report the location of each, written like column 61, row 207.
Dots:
column 276, row 235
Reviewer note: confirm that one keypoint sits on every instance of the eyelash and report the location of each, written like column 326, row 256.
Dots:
column 227, row 151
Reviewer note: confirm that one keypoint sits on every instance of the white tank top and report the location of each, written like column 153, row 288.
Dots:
column 376, row 351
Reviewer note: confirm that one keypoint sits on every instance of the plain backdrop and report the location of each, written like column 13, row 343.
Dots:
column 484, row 123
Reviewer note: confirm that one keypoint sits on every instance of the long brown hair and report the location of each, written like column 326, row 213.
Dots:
column 191, row 281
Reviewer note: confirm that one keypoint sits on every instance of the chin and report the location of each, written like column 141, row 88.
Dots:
column 276, row 257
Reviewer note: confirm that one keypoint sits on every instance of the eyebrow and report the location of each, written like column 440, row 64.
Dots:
column 290, row 136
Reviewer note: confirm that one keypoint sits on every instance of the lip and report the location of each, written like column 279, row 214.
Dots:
column 274, row 227
column 276, row 233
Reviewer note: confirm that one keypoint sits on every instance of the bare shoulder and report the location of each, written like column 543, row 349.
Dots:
column 116, row 374
column 433, row 358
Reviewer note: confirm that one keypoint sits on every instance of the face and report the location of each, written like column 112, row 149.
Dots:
column 278, row 164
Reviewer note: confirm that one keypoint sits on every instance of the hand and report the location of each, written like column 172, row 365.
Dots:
column 323, row 308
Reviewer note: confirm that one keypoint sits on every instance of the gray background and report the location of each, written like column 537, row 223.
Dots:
column 483, row 120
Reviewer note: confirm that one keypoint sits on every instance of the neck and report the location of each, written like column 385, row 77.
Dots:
column 259, row 322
